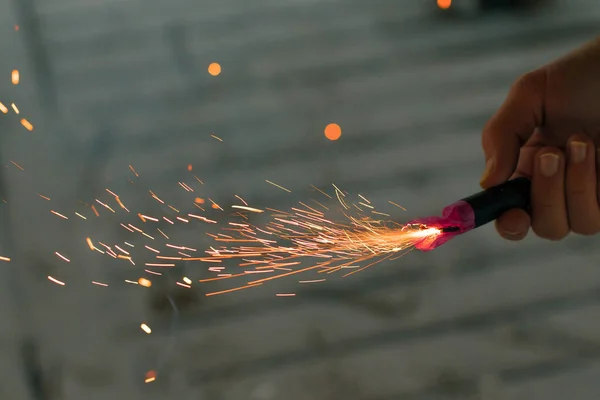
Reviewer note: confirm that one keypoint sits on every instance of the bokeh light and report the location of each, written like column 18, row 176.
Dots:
column 444, row 4
column 333, row 131
column 214, row 69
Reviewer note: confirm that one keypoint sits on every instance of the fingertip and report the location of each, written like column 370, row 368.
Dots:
column 513, row 224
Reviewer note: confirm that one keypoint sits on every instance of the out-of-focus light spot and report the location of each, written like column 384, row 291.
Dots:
column 3, row 108
column 16, row 28
column 27, row 124
column 190, row 167
column 15, row 76
column 146, row 328
column 199, row 200
column 444, row 4
column 333, row 131
column 187, row 280
column 144, row 282
column 150, row 377
column 214, row 69
column 215, row 206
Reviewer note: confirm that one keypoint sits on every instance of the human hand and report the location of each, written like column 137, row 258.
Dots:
column 548, row 129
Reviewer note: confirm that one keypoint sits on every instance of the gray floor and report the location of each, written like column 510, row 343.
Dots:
column 112, row 83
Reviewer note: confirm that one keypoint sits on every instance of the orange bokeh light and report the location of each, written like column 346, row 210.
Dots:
column 190, row 167
column 214, row 69
column 333, row 131
column 199, row 200
column 444, row 4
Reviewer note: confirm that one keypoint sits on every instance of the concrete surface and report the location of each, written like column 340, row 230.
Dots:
column 117, row 82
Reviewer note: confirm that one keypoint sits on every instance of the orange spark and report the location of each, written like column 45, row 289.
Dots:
column 15, row 108
column 150, row 377
column 2, row 258
column 3, row 108
column 17, row 165
column 144, row 282
column 59, row 214
column 27, row 124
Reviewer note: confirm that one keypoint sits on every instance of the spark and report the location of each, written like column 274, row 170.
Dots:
column 397, row 205
column 278, row 186
column 305, row 240
column 2, row 258
column 3, row 108
column 62, row 257
column 150, row 377
column 145, row 282
column 246, row 208
column 26, row 124
column 146, row 328
column 15, row 108
column 59, row 214
column 216, row 137
column 99, row 283
column 17, row 165
column 187, row 280
column 61, row 283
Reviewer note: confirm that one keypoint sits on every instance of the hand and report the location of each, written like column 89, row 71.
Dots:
column 548, row 129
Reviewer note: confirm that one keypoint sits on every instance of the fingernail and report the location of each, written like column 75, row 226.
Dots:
column 489, row 166
column 511, row 233
column 578, row 152
column 549, row 164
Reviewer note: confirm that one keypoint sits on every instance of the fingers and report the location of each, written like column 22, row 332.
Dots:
column 582, row 186
column 598, row 172
column 548, row 203
column 513, row 224
column 511, row 126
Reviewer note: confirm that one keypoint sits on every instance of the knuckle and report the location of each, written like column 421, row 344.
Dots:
column 530, row 82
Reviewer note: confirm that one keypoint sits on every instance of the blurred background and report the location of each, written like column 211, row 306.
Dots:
column 112, row 83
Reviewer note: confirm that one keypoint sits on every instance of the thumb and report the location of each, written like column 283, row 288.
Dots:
column 511, row 126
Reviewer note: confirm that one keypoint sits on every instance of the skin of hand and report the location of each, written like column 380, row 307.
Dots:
column 548, row 129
